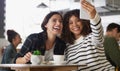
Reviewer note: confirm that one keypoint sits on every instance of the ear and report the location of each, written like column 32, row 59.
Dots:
column 46, row 26
column 13, row 39
column 116, row 29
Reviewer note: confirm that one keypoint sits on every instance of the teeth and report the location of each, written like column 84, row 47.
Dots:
column 58, row 28
column 76, row 28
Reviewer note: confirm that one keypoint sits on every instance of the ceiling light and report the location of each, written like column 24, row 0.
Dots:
column 42, row 5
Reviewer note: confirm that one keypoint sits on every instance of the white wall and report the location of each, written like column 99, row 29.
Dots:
column 109, row 19
column 24, row 17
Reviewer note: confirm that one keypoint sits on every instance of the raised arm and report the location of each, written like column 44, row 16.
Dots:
column 96, row 26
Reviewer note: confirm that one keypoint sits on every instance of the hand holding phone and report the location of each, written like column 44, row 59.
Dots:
column 87, row 9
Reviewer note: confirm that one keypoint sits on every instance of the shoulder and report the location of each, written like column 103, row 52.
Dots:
column 35, row 35
column 107, row 38
column 110, row 41
column 9, row 47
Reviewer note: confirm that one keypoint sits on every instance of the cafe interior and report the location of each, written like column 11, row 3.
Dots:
column 22, row 15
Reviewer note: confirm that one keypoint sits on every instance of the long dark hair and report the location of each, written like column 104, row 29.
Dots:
column 67, row 35
column 46, row 19
column 11, row 34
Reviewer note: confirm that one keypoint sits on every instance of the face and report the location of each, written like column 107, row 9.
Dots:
column 75, row 26
column 115, row 33
column 54, row 25
column 118, row 36
column 17, row 39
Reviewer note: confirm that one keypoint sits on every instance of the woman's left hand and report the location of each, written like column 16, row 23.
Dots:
column 89, row 8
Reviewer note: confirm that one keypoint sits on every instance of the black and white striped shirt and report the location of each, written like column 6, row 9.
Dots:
column 89, row 50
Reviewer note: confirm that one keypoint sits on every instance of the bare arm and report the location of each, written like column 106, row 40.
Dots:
column 25, row 59
column 96, row 26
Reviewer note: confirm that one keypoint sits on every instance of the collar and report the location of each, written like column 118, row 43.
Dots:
column 79, row 40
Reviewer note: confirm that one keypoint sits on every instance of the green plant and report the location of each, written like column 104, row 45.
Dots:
column 36, row 52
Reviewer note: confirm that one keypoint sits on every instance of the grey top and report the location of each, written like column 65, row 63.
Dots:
column 49, row 54
column 9, row 54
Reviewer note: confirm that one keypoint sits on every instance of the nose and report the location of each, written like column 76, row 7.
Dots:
column 59, row 22
column 74, row 23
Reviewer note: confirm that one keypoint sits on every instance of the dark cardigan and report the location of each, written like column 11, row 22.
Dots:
column 37, row 42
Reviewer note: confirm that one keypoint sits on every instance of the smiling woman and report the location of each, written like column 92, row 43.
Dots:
column 47, row 42
column 85, row 40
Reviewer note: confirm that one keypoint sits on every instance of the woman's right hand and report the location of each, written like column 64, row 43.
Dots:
column 27, row 57
column 23, row 60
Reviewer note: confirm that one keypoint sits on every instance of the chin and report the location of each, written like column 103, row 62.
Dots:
column 57, row 33
column 76, row 33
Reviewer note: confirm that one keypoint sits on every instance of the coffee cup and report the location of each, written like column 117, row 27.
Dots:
column 58, row 59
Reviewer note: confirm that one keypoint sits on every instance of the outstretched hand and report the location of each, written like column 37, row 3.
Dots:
column 89, row 8
column 27, row 57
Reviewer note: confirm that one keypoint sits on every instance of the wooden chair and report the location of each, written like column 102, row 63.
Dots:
column 117, row 68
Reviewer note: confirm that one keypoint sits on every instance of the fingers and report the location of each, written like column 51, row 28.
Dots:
column 86, row 5
column 27, row 57
column 89, row 8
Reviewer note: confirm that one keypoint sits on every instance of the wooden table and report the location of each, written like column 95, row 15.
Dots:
column 42, row 67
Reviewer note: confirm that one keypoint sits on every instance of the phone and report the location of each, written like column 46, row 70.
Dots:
column 83, row 13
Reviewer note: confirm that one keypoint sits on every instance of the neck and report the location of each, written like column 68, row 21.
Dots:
column 77, row 36
column 51, row 37
column 50, row 41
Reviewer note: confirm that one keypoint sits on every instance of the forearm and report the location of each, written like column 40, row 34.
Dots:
column 21, row 60
column 97, row 30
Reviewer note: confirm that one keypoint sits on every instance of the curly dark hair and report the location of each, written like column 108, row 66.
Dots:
column 67, row 35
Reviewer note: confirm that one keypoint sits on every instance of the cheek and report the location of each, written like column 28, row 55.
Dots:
column 61, row 26
column 70, row 26
column 80, row 24
column 18, row 39
column 48, row 26
column 81, row 27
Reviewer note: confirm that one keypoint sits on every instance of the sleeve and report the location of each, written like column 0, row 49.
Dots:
column 25, row 48
column 112, row 50
column 97, row 30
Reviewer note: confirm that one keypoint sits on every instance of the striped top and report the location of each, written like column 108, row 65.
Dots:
column 89, row 50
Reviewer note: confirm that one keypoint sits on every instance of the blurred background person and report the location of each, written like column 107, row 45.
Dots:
column 119, row 41
column 10, row 51
column 111, row 45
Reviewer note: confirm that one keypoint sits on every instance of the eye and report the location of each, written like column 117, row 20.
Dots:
column 70, row 22
column 78, row 20
column 60, row 21
column 54, row 20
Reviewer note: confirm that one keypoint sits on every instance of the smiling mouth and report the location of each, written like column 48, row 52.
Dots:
column 76, row 29
column 56, row 28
